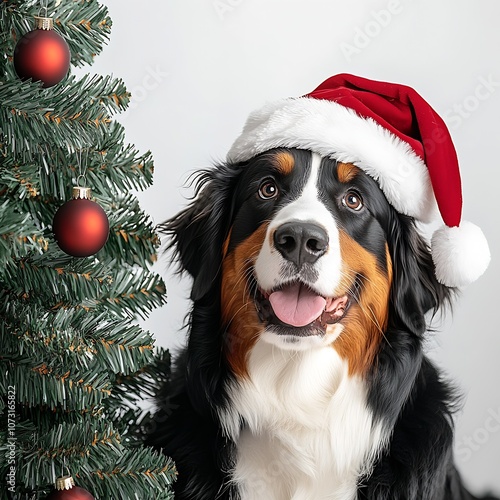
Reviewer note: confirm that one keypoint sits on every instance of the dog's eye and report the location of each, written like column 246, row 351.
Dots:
column 353, row 201
column 268, row 189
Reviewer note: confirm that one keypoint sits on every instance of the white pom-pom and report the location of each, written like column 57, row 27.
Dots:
column 461, row 254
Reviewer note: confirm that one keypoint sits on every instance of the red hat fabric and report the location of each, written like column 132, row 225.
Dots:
column 404, row 113
column 389, row 131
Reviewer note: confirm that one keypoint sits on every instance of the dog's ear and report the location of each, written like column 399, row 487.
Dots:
column 198, row 232
column 415, row 290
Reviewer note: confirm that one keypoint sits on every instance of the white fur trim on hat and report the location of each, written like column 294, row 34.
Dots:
column 338, row 132
column 460, row 254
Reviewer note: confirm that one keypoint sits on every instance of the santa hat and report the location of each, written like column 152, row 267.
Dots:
column 394, row 135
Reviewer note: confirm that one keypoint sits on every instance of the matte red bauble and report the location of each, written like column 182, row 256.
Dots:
column 75, row 493
column 42, row 54
column 66, row 490
column 80, row 226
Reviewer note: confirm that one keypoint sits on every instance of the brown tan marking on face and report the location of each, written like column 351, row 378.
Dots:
column 366, row 320
column 238, row 308
column 284, row 162
column 346, row 172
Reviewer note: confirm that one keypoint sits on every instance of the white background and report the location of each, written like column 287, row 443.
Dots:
column 196, row 68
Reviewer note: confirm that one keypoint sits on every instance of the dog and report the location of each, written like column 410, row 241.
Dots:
column 304, row 376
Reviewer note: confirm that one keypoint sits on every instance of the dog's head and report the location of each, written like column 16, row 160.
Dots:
column 303, row 252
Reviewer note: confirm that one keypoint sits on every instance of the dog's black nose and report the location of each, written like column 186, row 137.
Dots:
column 301, row 242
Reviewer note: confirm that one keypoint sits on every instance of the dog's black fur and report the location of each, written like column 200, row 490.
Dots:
column 406, row 391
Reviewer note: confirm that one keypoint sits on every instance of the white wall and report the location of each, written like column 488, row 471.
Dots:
column 196, row 68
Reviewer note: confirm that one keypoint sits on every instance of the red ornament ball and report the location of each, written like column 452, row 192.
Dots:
column 42, row 55
column 75, row 493
column 80, row 227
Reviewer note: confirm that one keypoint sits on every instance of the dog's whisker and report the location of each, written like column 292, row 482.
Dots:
column 243, row 278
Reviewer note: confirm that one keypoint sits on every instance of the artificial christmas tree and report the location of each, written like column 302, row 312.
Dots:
column 73, row 363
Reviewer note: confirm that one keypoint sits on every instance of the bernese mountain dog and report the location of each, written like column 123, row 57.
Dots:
column 304, row 375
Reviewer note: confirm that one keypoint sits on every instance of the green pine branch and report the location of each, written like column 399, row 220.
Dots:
column 85, row 25
column 39, row 383
column 86, row 29
column 70, row 347
column 99, row 461
column 19, row 181
column 135, row 423
column 102, row 342
column 31, row 117
column 132, row 236
column 122, row 167
column 111, row 168
column 144, row 471
column 74, row 284
column 129, row 292
column 19, row 235
column 135, row 293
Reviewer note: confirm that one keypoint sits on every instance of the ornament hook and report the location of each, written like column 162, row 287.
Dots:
column 82, row 166
column 81, row 181
column 45, row 8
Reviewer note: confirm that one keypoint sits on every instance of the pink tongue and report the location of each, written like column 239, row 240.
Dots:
column 297, row 305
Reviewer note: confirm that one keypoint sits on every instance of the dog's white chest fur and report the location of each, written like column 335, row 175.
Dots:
column 308, row 434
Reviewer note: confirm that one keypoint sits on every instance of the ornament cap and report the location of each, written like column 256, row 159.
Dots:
column 64, row 483
column 44, row 23
column 83, row 193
